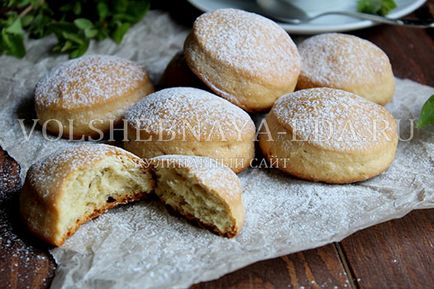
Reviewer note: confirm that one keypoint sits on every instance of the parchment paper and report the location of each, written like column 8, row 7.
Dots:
column 142, row 246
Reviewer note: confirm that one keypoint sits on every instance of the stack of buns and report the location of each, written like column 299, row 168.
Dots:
column 186, row 144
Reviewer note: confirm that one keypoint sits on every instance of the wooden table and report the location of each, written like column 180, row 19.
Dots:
column 396, row 254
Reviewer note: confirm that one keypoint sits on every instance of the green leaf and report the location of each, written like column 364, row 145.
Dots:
column 79, row 51
column 119, row 33
column 90, row 32
column 83, row 23
column 66, row 46
column 124, row 18
column 103, row 33
column 103, row 10
column 74, row 23
column 426, row 114
column 40, row 26
column 74, row 37
column 15, row 27
column 13, row 44
column 388, row 5
column 138, row 9
column 26, row 20
column 378, row 7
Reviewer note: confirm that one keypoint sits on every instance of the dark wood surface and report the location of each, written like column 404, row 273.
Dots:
column 396, row 254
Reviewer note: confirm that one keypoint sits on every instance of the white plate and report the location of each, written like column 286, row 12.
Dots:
column 323, row 24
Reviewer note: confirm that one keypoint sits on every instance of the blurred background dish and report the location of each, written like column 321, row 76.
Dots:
column 323, row 24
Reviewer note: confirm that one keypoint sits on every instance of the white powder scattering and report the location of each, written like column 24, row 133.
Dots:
column 88, row 80
column 184, row 111
column 18, row 255
column 341, row 59
column 335, row 119
column 248, row 42
column 141, row 245
column 54, row 168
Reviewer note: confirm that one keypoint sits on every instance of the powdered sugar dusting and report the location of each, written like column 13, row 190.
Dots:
column 341, row 60
column 335, row 119
column 44, row 174
column 141, row 245
column 213, row 174
column 87, row 80
column 248, row 42
column 183, row 110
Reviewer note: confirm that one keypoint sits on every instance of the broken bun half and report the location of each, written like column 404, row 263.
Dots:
column 202, row 190
column 76, row 184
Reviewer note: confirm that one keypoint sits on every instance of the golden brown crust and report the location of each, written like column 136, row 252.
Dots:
column 310, row 151
column 27, row 191
column 45, row 187
column 103, row 114
column 232, row 232
column 69, row 93
column 307, row 162
column 236, row 155
column 346, row 62
column 250, row 69
column 192, row 122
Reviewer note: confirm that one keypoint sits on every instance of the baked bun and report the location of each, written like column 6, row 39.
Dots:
column 190, row 121
column 243, row 57
column 329, row 135
column 98, row 88
column 201, row 190
column 346, row 62
column 79, row 183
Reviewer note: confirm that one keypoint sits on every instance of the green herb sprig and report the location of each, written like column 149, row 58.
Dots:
column 378, row 7
column 426, row 117
column 74, row 23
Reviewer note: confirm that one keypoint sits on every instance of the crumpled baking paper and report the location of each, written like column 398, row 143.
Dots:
column 142, row 246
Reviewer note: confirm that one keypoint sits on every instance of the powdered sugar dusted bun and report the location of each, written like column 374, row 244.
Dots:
column 243, row 57
column 346, row 62
column 329, row 135
column 76, row 184
column 98, row 88
column 202, row 190
column 190, row 121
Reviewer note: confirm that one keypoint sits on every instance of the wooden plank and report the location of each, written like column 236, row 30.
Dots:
column 316, row 268
column 396, row 254
column 400, row 253
column 23, row 263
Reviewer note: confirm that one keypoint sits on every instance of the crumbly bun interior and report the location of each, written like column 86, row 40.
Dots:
column 89, row 192
column 179, row 190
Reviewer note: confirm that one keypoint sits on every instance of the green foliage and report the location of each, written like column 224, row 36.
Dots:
column 426, row 117
column 379, row 7
column 74, row 23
